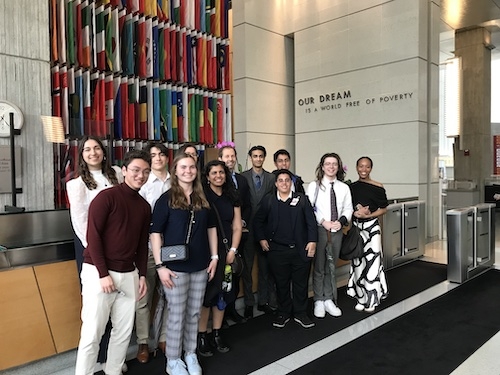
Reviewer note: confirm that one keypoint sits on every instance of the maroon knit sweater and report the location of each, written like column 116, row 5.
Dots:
column 117, row 232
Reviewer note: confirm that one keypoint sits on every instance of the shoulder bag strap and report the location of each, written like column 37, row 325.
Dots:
column 224, row 238
column 190, row 226
column 316, row 193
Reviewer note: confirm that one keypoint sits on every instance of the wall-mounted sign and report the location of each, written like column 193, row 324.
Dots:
column 371, row 97
column 345, row 99
column 5, row 169
column 496, row 155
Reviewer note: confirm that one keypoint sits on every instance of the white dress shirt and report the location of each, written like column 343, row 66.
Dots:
column 322, row 206
column 154, row 187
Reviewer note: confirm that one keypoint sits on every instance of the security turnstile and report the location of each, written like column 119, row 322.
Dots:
column 403, row 234
column 471, row 241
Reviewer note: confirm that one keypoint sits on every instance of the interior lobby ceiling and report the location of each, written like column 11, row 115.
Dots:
column 462, row 14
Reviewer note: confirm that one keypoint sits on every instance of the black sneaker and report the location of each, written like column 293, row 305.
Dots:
column 304, row 321
column 281, row 321
column 266, row 309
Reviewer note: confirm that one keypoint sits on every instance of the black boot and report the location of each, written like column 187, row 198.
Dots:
column 203, row 345
column 218, row 343
column 232, row 314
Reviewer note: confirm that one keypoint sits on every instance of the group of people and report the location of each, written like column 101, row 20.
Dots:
column 122, row 219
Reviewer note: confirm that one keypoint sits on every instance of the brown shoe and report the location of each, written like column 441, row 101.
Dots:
column 162, row 345
column 143, row 353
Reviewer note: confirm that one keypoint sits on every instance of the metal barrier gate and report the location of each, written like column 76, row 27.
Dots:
column 403, row 232
column 471, row 241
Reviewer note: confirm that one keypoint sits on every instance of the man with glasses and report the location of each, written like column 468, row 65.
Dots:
column 332, row 203
column 286, row 229
column 114, row 269
column 157, row 184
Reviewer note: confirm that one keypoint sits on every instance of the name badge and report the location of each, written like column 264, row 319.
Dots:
column 294, row 201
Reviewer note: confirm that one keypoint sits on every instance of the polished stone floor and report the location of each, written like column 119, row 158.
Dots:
column 484, row 361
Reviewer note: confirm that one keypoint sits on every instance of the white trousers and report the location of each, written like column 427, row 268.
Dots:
column 97, row 308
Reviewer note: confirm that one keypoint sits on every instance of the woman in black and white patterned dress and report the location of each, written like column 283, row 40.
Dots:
column 367, row 283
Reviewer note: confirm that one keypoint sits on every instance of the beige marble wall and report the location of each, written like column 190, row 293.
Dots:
column 367, row 54
column 263, row 70
column 25, row 82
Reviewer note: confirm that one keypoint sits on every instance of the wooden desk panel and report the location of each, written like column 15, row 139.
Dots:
column 60, row 290
column 24, row 331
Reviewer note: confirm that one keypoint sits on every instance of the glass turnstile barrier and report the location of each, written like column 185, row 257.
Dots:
column 471, row 241
column 403, row 232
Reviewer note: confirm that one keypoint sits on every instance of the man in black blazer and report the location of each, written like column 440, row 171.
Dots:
column 286, row 229
column 260, row 183
column 228, row 155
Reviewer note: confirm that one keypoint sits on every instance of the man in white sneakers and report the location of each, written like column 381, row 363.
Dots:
column 332, row 204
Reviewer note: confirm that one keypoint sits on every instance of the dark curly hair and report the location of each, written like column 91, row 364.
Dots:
column 228, row 188
column 83, row 168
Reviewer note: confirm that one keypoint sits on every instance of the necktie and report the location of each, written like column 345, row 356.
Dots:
column 333, row 204
column 258, row 182
column 234, row 180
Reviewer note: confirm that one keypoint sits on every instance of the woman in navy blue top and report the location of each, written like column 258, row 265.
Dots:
column 184, row 281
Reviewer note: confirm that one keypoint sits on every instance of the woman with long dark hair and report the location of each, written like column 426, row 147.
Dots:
column 184, row 281
column 223, row 198
column 95, row 174
column 367, row 283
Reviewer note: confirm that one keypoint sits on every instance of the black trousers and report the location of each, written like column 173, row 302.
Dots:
column 290, row 272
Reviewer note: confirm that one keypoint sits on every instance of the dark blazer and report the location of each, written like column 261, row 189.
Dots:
column 304, row 225
column 244, row 194
column 257, row 195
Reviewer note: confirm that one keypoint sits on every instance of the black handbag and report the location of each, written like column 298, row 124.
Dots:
column 179, row 252
column 352, row 244
column 237, row 265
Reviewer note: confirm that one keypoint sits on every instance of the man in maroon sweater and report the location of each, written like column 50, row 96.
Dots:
column 114, row 269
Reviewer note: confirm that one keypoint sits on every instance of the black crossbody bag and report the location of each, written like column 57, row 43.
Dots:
column 180, row 252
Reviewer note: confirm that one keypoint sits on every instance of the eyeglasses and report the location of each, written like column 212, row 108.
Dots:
column 137, row 171
column 331, row 164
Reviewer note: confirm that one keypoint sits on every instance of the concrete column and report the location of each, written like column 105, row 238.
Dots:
column 473, row 149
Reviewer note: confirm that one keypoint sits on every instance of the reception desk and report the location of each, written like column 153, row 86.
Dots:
column 40, row 298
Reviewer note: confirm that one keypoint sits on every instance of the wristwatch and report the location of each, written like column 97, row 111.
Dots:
column 159, row 265
column 234, row 249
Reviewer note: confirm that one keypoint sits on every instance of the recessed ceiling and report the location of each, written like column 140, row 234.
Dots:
column 461, row 14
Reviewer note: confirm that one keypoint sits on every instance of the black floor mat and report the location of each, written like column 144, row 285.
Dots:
column 256, row 343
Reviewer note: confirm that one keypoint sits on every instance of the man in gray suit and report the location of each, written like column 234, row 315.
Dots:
column 261, row 183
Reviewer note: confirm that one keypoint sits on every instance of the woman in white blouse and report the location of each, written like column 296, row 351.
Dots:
column 95, row 174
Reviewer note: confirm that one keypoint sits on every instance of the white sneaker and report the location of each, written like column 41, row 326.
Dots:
column 332, row 309
column 359, row 307
column 193, row 366
column 319, row 309
column 176, row 367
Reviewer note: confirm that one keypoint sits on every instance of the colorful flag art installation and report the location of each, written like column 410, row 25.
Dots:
column 135, row 71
